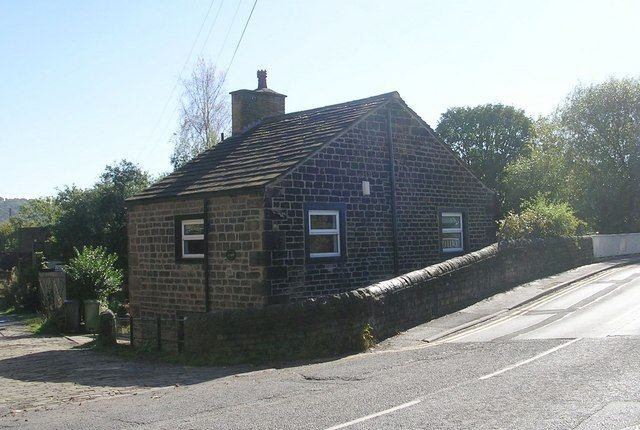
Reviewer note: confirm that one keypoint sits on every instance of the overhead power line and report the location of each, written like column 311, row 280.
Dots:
column 184, row 66
column 235, row 51
column 211, row 27
column 226, row 36
column 246, row 24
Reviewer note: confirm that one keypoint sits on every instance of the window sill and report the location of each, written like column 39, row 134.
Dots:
column 181, row 260
column 451, row 254
column 325, row 260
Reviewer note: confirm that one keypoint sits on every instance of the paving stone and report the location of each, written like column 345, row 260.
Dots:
column 38, row 373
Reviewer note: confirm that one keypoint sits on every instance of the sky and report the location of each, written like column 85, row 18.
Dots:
column 84, row 84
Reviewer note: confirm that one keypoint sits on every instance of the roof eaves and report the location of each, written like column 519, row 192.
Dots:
column 131, row 201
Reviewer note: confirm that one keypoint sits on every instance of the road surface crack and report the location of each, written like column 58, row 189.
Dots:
column 332, row 378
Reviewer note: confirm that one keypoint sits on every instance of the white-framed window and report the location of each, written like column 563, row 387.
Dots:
column 452, row 232
column 192, row 240
column 324, row 233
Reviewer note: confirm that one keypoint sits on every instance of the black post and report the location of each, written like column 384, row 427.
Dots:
column 159, row 331
column 130, row 330
column 181, row 320
column 207, row 303
column 394, row 208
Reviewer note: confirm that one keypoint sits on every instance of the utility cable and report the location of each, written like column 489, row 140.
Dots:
column 240, row 40
column 226, row 36
column 175, row 85
column 213, row 23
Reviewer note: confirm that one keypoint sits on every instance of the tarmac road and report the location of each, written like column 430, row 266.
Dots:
column 567, row 360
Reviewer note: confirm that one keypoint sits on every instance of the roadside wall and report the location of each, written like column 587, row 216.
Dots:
column 611, row 245
column 334, row 324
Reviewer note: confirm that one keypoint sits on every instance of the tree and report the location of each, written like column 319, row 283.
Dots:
column 599, row 129
column 42, row 212
column 8, row 240
column 96, row 216
column 543, row 170
column 204, row 113
column 486, row 137
column 118, row 182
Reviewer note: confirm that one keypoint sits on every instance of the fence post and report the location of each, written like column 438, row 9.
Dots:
column 159, row 331
column 181, row 320
column 130, row 330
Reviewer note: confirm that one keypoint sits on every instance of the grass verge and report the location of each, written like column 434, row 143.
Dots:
column 41, row 325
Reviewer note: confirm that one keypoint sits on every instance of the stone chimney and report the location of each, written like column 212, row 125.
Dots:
column 249, row 107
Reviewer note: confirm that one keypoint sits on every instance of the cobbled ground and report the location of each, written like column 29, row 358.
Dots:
column 39, row 373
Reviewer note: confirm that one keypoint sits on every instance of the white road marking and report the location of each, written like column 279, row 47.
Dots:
column 377, row 414
column 538, row 333
column 485, row 324
column 542, row 354
column 423, row 398
column 527, row 308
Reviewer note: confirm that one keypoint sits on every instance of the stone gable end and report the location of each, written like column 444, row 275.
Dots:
column 428, row 179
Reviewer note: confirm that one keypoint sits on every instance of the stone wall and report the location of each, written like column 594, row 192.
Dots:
column 236, row 266
column 333, row 175
column 162, row 286
column 333, row 324
column 159, row 286
column 429, row 179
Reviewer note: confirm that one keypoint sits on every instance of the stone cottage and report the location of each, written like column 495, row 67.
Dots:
column 302, row 204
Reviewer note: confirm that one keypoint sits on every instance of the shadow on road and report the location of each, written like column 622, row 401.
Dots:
column 90, row 368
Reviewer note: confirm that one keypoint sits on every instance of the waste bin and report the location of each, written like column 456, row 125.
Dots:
column 91, row 315
column 71, row 316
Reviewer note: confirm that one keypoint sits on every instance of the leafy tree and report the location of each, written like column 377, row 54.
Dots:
column 486, row 137
column 42, row 212
column 8, row 239
column 97, row 216
column 204, row 113
column 78, row 222
column 599, row 129
column 117, row 183
column 544, row 170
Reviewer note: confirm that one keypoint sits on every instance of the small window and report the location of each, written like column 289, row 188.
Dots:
column 324, row 233
column 452, row 232
column 192, row 231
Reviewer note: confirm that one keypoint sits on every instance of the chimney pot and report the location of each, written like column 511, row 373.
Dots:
column 262, row 79
column 249, row 107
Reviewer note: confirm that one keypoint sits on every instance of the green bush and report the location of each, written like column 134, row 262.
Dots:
column 540, row 218
column 92, row 274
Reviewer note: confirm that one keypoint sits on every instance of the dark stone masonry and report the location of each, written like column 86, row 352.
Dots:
column 429, row 180
column 334, row 324
column 301, row 205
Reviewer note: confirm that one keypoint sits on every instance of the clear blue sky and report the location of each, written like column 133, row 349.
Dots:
column 84, row 83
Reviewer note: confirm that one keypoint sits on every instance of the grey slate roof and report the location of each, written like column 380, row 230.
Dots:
column 263, row 153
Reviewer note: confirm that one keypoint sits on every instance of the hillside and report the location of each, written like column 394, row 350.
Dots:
column 10, row 206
